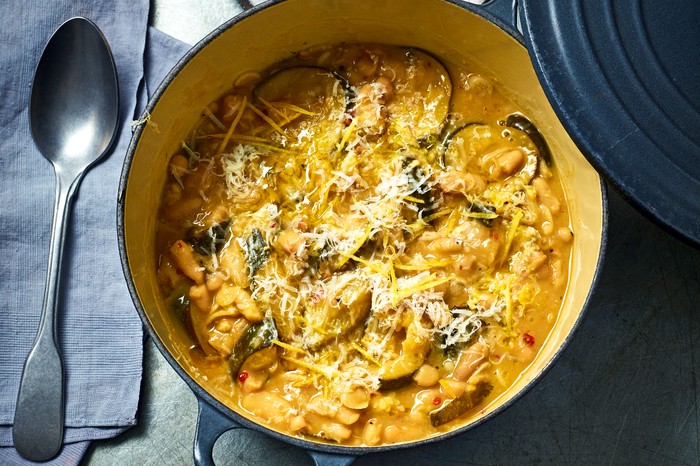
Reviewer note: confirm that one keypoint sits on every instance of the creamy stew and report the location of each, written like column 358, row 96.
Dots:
column 365, row 247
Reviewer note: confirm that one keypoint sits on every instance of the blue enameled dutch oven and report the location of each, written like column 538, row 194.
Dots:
column 482, row 38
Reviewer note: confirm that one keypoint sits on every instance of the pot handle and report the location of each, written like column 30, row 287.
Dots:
column 330, row 459
column 211, row 424
column 504, row 10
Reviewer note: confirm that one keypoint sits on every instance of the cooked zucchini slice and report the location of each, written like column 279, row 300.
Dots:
column 395, row 384
column 347, row 303
column 307, row 104
column 256, row 337
column 521, row 123
column 444, row 141
column 452, row 409
column 422, row 92
column 459, row 147
column 476, row 148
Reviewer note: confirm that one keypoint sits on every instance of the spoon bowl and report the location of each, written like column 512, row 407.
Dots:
column 74, row 115
column 73, row 110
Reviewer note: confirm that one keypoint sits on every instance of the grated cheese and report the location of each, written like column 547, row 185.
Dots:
column 233, row 126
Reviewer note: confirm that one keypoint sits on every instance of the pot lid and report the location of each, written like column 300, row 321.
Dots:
column 624, row 78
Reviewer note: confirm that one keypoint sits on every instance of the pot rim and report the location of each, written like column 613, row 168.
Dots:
column 202, row 394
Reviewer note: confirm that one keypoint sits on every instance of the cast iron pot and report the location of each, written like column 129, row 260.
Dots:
column 454, row 32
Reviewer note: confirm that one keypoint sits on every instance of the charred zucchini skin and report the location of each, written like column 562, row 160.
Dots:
column 445, row 139
column 422, row 191
column 256, row 337
column 450, row 131
column 395, row 384
column 325, row 87
column 521, row 123
column 483, row 209
column 348, row 91
column 452, row 409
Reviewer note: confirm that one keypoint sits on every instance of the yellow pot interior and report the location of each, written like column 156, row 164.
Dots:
column 450, row 32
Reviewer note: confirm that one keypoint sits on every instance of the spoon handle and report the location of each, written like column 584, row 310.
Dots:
column 39, row 414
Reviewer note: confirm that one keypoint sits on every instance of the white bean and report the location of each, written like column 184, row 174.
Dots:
column 426, row 376
column 372, row 433
column 187, row 262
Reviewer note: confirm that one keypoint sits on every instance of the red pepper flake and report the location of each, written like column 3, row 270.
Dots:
column 242, row 376
column 437, row 400
column 495, row 236
column 496, row 357
column 180, row 244
column 528, row 339
column 273, row 225
column 318, row 295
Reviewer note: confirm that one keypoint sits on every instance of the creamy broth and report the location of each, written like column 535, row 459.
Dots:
column 364, row 247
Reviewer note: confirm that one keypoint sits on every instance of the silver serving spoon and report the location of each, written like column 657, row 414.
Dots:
column 74, row 113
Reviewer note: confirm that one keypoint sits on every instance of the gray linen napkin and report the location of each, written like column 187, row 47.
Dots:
column 162, row 54
column 99, row 331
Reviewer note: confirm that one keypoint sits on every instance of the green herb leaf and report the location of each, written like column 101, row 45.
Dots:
column 255, row 338
column 210, row 241
column 257, row 251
